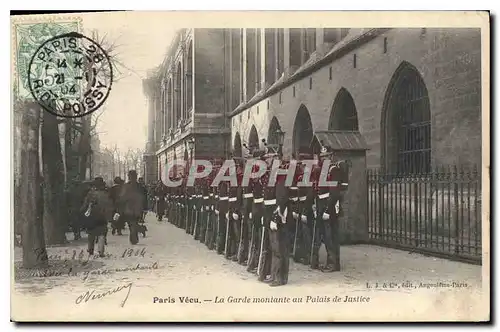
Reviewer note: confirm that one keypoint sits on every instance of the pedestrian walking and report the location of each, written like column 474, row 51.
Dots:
column 131, row 205
column 117, row 225
column 160, row 196
column 98, row 210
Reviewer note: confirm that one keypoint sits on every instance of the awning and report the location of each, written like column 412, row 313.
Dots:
column 339, row 140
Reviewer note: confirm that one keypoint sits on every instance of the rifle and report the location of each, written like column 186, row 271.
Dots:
column 315, row 215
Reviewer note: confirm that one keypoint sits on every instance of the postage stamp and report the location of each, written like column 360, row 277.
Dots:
column 28, row 35
column 306, row 166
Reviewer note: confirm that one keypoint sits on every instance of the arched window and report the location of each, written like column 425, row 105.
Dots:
column 178, row 93
column 189, row 78
column 272, row 138
column 302, row 130
column 407, row 123
column 237, row 145
column 253, row 139
column 343, row 115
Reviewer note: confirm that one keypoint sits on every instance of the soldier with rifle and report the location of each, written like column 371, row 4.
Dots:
column 233, row 217
column 338, row 174
column 264, row 266
column 184, row 202
column 279, row 233
column 211, row 223
column 176, row 191
column 205, row 187
column 294, row 211
column 223, row 208
column 198, row 189
column 256, row 221
column 245, row 226
column 170, row 203
column 303, row 234
column 322, row 227
column 189, row 210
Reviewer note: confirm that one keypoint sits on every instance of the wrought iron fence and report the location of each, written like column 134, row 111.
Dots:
column 437, row 213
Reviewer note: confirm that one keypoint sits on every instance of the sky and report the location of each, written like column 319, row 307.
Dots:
column 141, row 46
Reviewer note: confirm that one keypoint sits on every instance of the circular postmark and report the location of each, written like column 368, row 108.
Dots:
column 70, row 75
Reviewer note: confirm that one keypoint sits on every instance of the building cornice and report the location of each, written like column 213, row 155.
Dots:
column 312, row 67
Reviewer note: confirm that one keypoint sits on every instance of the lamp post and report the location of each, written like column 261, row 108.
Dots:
column 280, row 135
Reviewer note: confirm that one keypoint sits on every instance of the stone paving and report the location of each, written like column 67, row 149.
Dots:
column 169, row 276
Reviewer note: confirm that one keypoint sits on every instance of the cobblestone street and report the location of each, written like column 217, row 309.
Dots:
column 169, row 264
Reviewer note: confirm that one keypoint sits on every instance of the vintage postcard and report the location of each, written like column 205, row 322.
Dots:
column 250, row 166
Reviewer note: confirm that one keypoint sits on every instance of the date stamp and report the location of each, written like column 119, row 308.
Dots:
column 70, row 75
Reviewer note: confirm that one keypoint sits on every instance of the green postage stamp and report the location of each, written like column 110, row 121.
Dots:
column 66, row 73
column 28, row 36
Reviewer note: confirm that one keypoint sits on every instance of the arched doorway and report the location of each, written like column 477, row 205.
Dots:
column 237, row 145
column 343, row 115
column 302, row 130
column 406, row 123
column 253, row 139
column 272, row 138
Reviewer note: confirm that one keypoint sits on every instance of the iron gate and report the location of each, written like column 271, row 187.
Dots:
column 437, row 213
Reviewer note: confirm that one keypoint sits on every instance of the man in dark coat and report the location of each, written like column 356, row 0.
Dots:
column 131, row 205
column 160, row 196
column 114, row 193
column 98, row 210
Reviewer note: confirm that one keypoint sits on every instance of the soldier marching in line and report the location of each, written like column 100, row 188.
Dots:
column 223, row 209
column 245, row 225
column 211, row 224
column 189, row 208
column 256, row 216
column 233, row 217
column 184, row 202
column 293, row 226
column 264, row 265
column 306, row 194
column 204, row 208
column 339, row 175
column 172, row 202
column 175, row 203
column 322, row 231
column 279, row 232
column 197, row 208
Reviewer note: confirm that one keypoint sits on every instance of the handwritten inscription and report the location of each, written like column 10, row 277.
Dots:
column 93, row 295
column 83, row 256
column 87, row 274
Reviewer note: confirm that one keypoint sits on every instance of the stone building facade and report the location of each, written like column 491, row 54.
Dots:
column 188, row 101
column 413, row 94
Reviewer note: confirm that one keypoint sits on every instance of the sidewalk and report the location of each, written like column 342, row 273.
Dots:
column 169, row 264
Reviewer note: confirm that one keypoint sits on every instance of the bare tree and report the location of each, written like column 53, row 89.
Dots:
column 30, row 193
column 54, row 209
